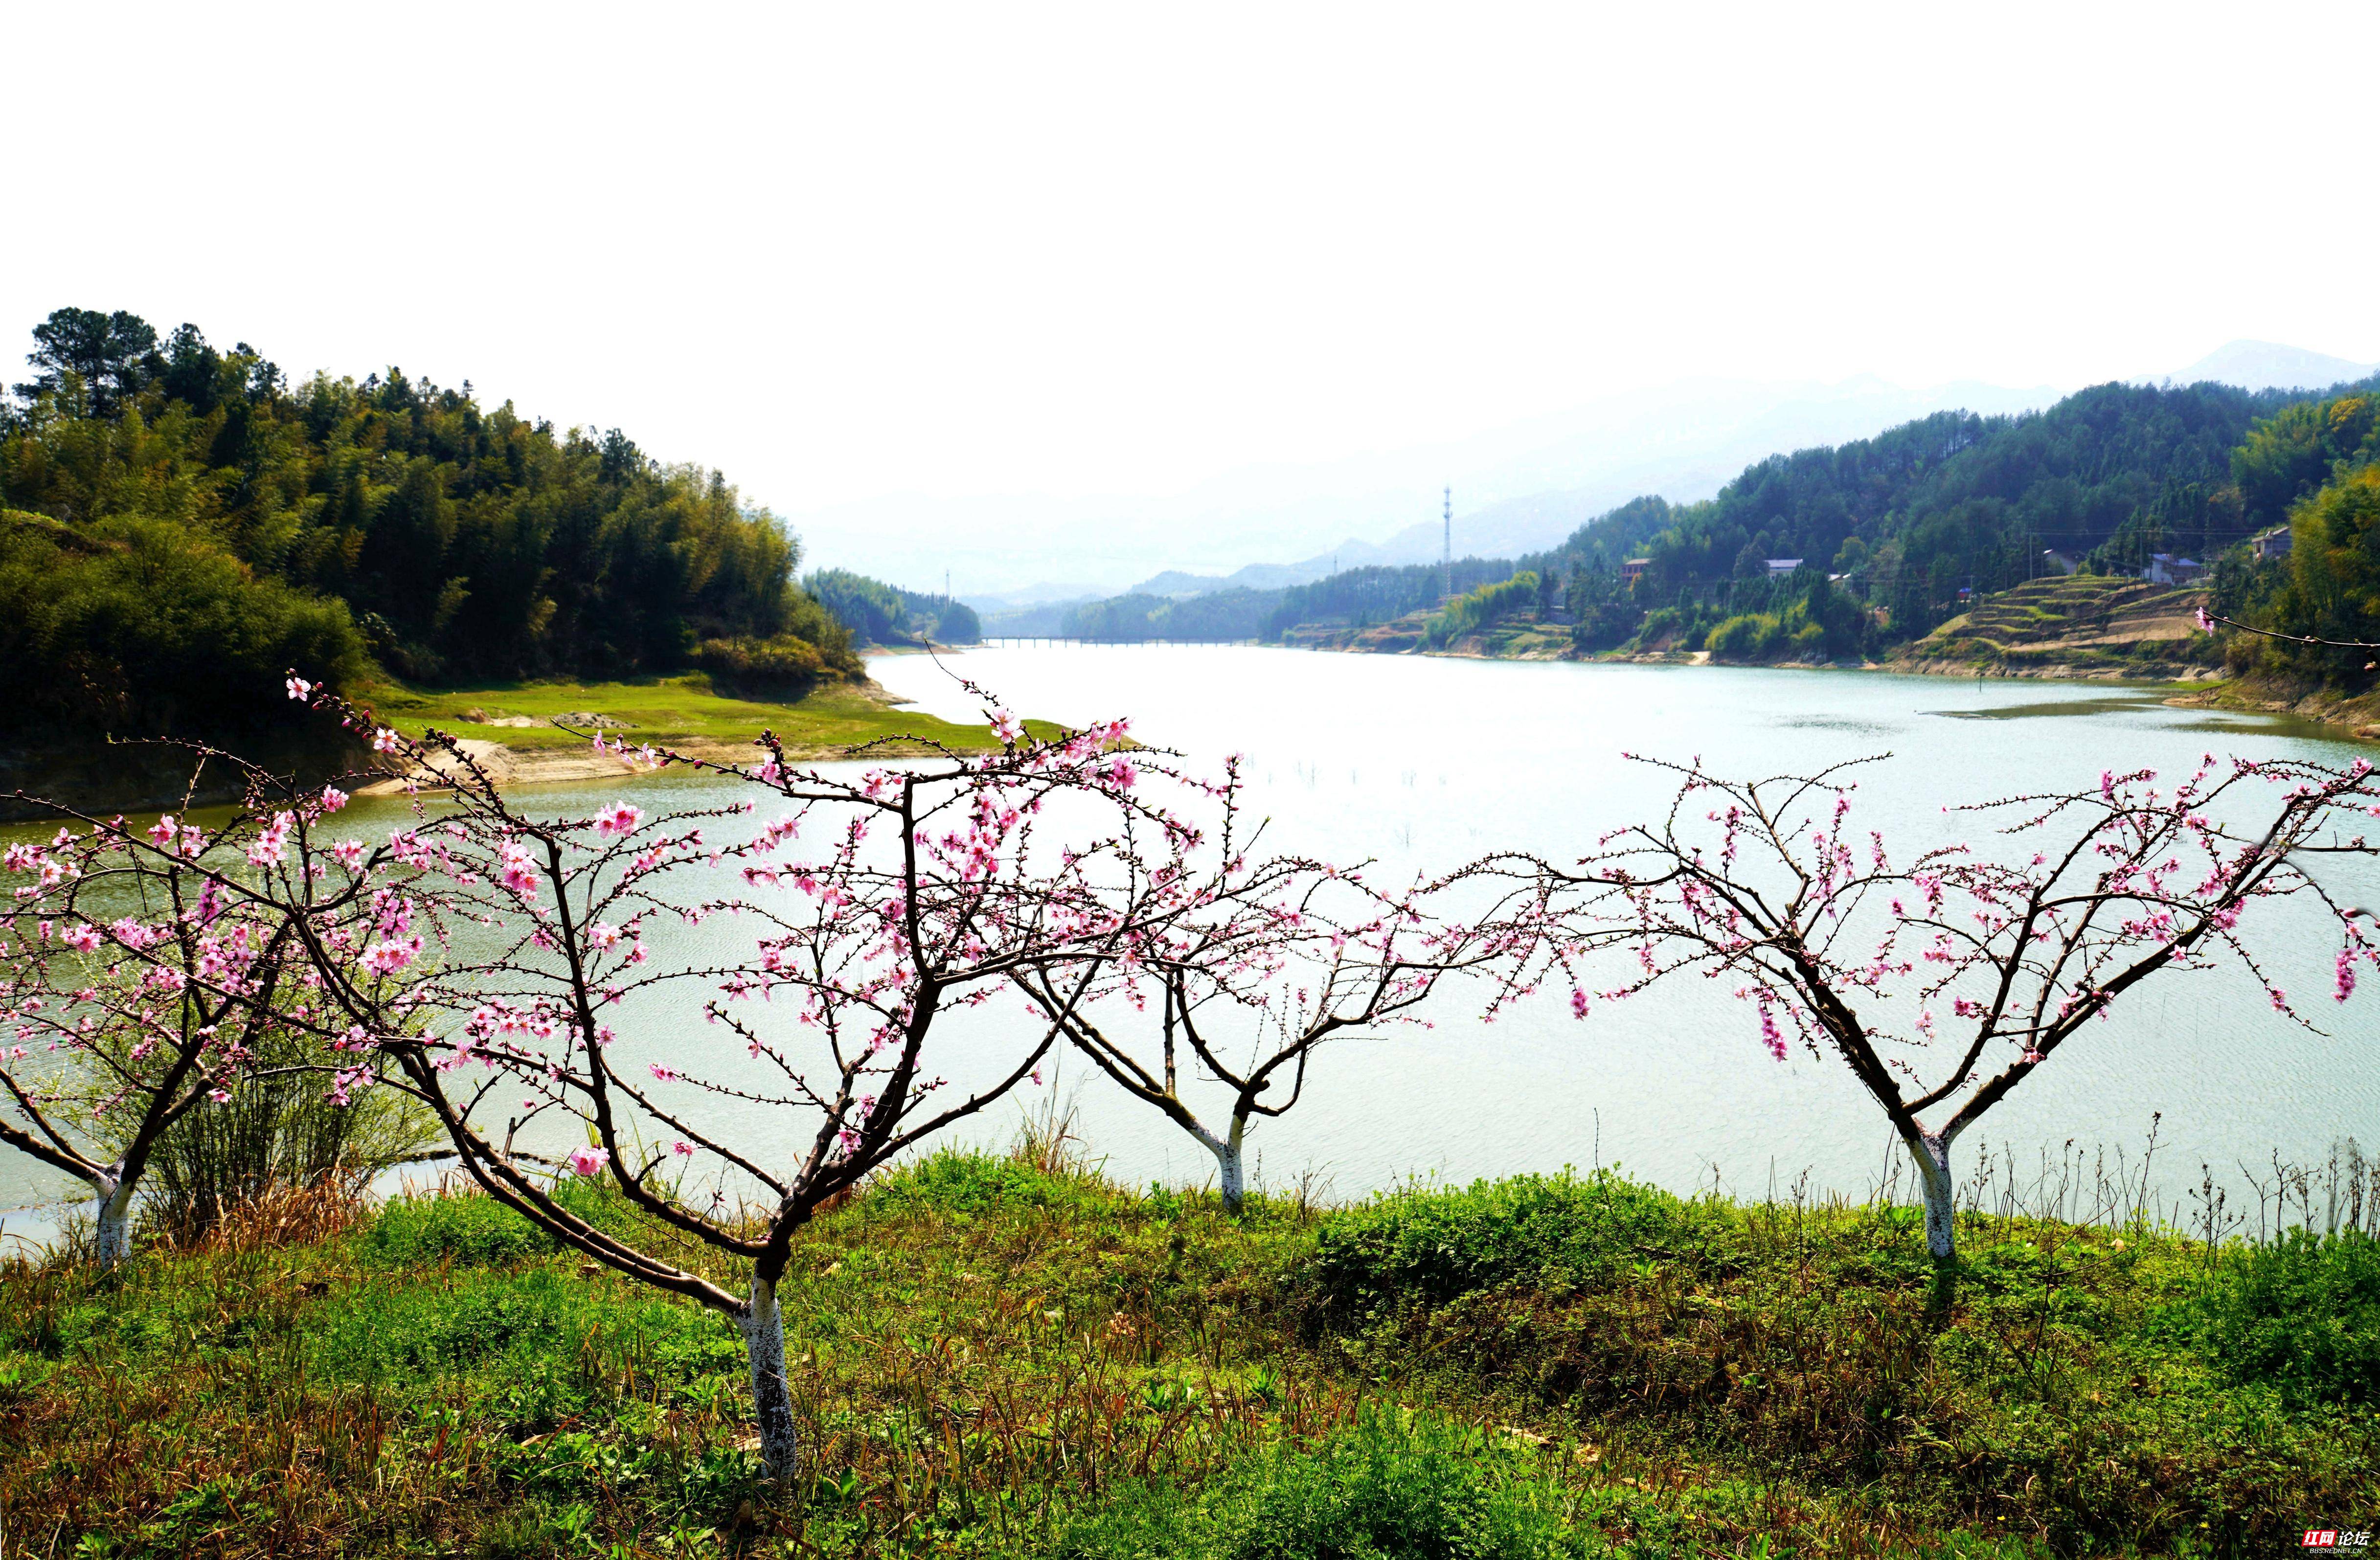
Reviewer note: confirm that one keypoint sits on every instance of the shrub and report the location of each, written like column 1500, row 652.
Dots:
column 1748, row 636
column 467, row 1229
column 1544, row 1230
column 1432, row 1491
column 278, row 1131
column 783, row 666
column 953, row 1180
column 2302, row 1313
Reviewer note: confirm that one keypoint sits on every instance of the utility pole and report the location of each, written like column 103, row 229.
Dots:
column 1446, row 549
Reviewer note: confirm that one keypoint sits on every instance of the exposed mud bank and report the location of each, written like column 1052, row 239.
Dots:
column 2357, row 714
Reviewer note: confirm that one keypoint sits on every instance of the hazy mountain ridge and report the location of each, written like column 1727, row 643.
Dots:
column 1685, row 437
column 2263, row 365
column 1517, row 489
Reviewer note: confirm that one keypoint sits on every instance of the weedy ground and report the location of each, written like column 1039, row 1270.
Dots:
column 1010, row 1356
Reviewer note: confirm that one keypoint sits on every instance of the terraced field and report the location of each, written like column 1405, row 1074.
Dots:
column 1393, row 637
column 2081, row 619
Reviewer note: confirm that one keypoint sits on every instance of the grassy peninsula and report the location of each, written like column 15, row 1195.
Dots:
column 689, row 712
column 1009, row 1356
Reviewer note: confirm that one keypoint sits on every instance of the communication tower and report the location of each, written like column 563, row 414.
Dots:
column 1446, row 549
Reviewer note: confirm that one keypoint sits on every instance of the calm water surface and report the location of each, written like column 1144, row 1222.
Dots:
column 1421, row 763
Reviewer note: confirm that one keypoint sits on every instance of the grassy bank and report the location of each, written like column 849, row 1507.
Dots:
column 664, row 710
column 518, row 717
column 1006, row 1358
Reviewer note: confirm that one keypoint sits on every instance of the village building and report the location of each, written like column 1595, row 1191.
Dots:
column 2164, row 568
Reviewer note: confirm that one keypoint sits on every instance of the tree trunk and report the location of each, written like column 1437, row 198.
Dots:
column 114, row 1221
column 772, row 1400
column 1931, row 1153
column 1230, row 1160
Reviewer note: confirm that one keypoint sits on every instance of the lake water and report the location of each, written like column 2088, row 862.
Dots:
column 1425, row 762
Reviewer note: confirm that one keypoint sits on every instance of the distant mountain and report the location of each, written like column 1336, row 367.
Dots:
column 1683, row 443
column 1041, row 595
column 1255, row 576
column 1516, row 488
column 2263, row 365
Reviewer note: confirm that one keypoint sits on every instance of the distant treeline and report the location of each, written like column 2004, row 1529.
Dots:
column 184, row 523
column 1359, row 598
column 1365, row 598
column 884, row 614
column 1894, row 533
column 1223, row 616
column 1853, row 549
column 1923, row 512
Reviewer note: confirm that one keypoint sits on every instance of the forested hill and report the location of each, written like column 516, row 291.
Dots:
column 1909, row 520
column 1894, row 535
column 1958, row 500
column 184, row 522
column 877, row 613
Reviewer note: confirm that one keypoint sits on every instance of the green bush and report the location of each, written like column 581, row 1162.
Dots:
column 469, row 1230
column 278, row 1128
column 786, row 667
column 1748, row 636
column 1382, row 1491
column 2302, row 1313
column 1545, row 1230
column 955, row 1181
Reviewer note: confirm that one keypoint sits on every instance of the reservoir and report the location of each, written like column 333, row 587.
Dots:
column 1417, row 764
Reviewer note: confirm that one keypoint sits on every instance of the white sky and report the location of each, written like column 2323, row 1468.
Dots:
column 856, row 250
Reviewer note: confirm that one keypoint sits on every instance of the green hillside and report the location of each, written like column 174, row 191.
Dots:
column 190, row 524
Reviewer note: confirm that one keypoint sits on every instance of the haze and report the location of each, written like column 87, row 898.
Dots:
column 932, row 280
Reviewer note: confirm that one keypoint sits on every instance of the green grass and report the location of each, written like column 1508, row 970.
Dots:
column 670, row 709
column 2303, row 1314
column 996, row 1357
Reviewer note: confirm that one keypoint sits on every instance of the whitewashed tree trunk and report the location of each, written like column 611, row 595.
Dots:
column 114, row 1221
column 1231, row 1161
column 772, row 1398
column 1931, row 1153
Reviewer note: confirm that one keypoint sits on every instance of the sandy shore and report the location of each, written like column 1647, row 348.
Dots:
column 511, row 767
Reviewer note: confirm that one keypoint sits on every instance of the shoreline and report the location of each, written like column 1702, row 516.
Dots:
column 524, row 734
column 511, row 767
column 2189, row 687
